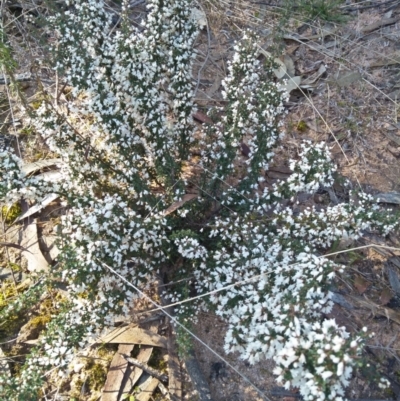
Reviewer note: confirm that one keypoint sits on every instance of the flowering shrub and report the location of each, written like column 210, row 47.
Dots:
column 125, row 139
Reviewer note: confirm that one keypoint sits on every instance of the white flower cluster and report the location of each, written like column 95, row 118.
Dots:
column 190, row 248
column 313, row 170
column 124, row 138
column 326, row 372
column 254, row 103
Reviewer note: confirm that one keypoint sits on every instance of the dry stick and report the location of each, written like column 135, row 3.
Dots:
column 163, row 309
column 16, row 246
column 152, row 372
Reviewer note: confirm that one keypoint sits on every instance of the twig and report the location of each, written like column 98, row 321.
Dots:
column 16, row 246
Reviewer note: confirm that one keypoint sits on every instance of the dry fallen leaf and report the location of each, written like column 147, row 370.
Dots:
column 311, row 80
column 203, row 118
column 361, row 284
column 290, row 69
column 279, row 72
column 292, row 84
column 385, row 297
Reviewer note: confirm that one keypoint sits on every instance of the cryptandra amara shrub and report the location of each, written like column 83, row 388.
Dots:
column 126, row 139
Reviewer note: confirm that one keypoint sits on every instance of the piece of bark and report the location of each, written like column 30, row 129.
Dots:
column 153, row 372
column 134, row 335
column 147, row 389
column 32, row 253
column 245, row 150
column 340, row 300
column 116, row 374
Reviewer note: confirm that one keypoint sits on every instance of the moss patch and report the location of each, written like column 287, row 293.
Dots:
column 10, row 213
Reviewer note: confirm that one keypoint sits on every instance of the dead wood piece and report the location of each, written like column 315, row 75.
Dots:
column 17, row 77
column 164, row 391
column 116, row 374
column 147, row 389
column 340, row 300
column 392, row 137
column 133, row 373
column 395, row 260
column 134, row 335
column 153, row 372
column 390, row 197
column 392, row 60
column 379, row 24
column 203, row 118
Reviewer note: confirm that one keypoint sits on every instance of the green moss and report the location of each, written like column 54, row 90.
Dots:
column 10, row 213
column 27, row 131
column 97, row 375
column 107, row 351
column 8, row 291
column 39, row 321
column 14, row 267
column 10, row 327
column 301, row 126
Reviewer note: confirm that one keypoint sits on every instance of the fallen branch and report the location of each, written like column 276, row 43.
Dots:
column 16, row 246
column 146, row 368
